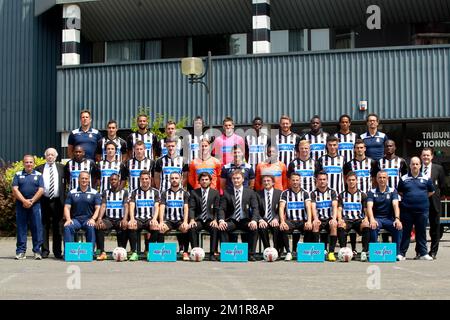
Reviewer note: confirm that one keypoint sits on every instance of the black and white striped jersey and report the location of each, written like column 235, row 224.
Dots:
column 134, row 168
column 353, row 205
column 148, row 139
column 334, row 167
column 256, row 149
column 121, row 147
column 194, row 146
column 395, row 168
column 318, row 144
column 107, row 169
column 365, row 170
column 174, row 202
column 165, row 166
column 324, row 202
column 346, row 146
column 144, row 201
column 295, row 204
column 306, row 170
column 286, row 146
column 115, row 201
column 73, row 168
column 163, row 149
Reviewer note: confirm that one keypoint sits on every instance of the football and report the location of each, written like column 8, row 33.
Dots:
column 197, row 254
column 119, row 254
column 270, row 254
column 345, row 254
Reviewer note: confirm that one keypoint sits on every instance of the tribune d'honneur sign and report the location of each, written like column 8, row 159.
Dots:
column 162, row 252
column 78, row 251
column 382, row 252
column 233, row 252
column 311, row 252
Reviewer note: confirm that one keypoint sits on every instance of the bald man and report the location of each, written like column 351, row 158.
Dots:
column 52, row 202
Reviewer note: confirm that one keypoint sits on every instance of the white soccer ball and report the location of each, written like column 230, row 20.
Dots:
column 270, row 254
column 345, row 254
column 197, row 254
column 119, row 254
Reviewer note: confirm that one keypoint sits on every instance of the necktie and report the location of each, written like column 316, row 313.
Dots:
column 269, row 208
column 204, row 214
column 51, row 191
column 425, row 170
column 237, row 205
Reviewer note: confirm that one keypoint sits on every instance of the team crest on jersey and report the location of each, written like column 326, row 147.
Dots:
column 89, row 196
column 421, row 180
column 378, row 139
column 388, row 196
column 35, row 178
column 90, row 135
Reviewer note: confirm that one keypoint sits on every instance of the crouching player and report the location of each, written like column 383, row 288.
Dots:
column 324, row 204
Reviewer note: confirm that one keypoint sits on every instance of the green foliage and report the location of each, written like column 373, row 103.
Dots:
column 157, row 125
column 7, row 205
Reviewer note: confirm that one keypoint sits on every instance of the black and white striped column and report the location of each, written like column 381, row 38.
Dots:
column 261, row 26
column 71, row 35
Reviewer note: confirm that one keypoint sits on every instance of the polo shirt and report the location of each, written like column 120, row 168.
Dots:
column 374, row 144
column 87, row 139
column 415, row 192
column 382, row 202
column 82, row 204
column 28, row 183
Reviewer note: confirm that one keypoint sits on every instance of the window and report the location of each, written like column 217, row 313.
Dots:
column 123, row 51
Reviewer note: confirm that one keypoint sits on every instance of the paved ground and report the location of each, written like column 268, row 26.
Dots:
column 53, row 279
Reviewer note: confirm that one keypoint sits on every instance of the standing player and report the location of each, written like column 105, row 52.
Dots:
column 113, row 215
column 255, row 144
column 79, row 164
column 304, row 165
column 286, row 141
column 85, row 136
column 168, row 164
column 271, row 167
column 324, row 203
column 295, row 213
column 171, row 130
column 144, row 213
column 346, row 137
column 121, row 150
column 194, row 141
column 317, row 138
column 111, row 166
column 144, row 135
column 137, row 164
column 374, row 139
column 352, row 209
column 333, row 165
column 364, row 167
column 394, row 166
column 28, row 188
column 205, row 163
column 174, row 211
column 223, row 145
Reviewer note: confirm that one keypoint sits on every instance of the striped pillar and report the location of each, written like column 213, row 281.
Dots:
column 71, row 35
column 261, row 26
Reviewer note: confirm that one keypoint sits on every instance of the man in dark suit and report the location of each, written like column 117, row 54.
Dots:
column 239, row 211
column 436, row 173
column 52, row 202
column 204, row 205
column 269, row 199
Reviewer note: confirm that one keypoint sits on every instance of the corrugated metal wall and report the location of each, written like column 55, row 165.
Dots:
column 29, row 52
column 398, row 83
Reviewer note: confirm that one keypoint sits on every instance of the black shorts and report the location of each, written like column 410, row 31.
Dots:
column 143, row 224
column 295, row 225
column 173, row 225
column 111, row 223
column 353, row 225
column 325, row 225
